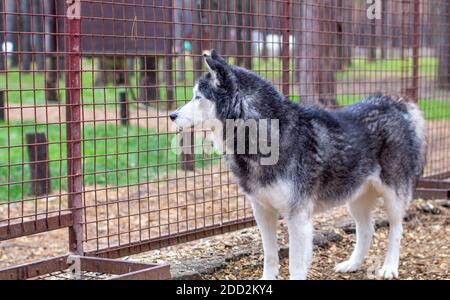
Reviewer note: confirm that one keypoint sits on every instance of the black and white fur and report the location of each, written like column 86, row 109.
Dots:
column 352, row 155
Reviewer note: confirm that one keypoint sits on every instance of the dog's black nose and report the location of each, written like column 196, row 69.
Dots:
column 173, row 116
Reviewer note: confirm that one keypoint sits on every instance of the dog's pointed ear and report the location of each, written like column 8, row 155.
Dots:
column 218, row 67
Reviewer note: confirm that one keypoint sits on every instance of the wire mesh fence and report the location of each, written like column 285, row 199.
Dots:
column 86, row 88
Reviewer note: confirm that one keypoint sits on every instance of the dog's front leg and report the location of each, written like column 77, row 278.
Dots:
column 300, row 230
column 266, row 218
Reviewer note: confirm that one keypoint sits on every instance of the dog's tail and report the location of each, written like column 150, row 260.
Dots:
column 420, row 129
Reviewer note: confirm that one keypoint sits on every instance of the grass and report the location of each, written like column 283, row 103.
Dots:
column 112, row 155
column 27, row 89
column 363, row 68
column 434, row 109
column 341, row 99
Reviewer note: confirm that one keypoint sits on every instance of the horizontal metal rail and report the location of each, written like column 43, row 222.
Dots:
column 125, row 270
column 40, row 224
column 174, row 239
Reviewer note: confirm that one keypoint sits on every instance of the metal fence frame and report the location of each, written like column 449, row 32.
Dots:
column 74, row 39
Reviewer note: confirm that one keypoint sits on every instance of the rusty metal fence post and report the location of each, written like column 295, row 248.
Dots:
column 416, row 51
column 73, row 115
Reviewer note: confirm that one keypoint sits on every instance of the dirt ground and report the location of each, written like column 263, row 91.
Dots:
column 148, row 117
column 425, row 252
column 425, row 247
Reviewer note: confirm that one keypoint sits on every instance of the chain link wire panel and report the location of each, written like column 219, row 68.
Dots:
column 86, row 88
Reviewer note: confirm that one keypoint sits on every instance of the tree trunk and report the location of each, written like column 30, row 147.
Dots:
column 25, row 36
column 396, row 23
column 239, row 34
column 243, row 33
column 318, row 62
column 2, row 54
column 197, row 38
column 179, row 38
column 372, row 44
column 344, row 33
column 384, row 28
column 222, row 28
column 52, row 74
column 297, row 27
column 168, row 69
column 205, row 24
column 168, row 65
column 247, row 33
column 443, row 45
column 213, row 23
column 112, row 69
column 268, row 7
column 12, row 22
column 148, row 86
column 101, row 76
column 38, row 36
column 218, row 25
column 50, row 25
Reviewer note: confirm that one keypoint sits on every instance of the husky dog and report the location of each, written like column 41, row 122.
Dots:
column 352, row 155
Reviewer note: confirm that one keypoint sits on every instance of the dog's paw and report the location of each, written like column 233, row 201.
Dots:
column 387, row 272
column 347, row 266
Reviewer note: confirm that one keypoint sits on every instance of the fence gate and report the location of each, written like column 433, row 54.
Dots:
column 86, row 88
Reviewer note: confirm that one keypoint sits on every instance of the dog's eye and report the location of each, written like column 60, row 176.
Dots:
column 197, row 98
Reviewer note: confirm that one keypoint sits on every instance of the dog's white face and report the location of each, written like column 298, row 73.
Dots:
column 195, row 112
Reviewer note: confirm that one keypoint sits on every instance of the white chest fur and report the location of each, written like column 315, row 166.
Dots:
column 277, row 195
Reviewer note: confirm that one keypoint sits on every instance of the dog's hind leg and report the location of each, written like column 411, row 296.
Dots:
column 266, row 219
column 360, row 209
column 395, row 208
